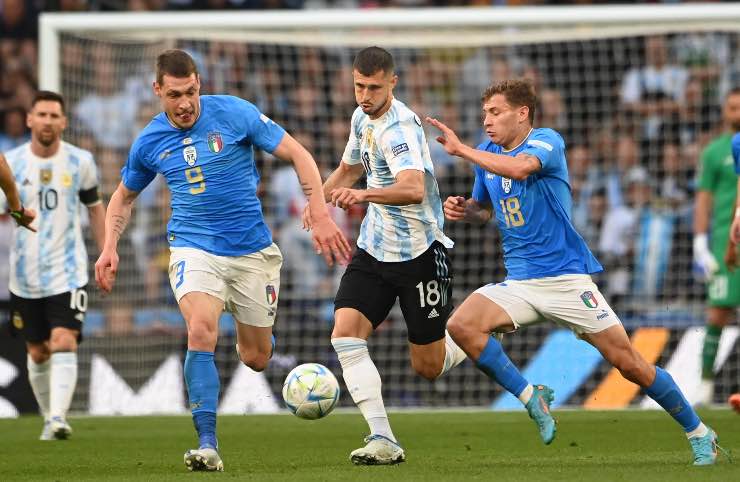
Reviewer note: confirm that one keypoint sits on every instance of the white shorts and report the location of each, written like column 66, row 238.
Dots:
column 248, row 285
column 571, row 300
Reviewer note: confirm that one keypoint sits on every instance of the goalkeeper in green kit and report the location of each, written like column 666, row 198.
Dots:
column 713, row 214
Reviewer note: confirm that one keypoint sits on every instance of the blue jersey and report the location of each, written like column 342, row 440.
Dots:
column 211, row 173
column 533, row 215
column 736, row 152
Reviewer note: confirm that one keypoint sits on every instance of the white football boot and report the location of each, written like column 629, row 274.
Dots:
column 206, row 459
column 379, row 450
column 60, row 429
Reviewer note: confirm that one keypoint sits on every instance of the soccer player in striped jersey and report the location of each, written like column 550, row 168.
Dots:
column 713, row 212
column 521, row 178
column 401, row 250
column 48, row 269
column 222, row 254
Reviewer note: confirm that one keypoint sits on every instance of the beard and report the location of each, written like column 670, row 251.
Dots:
column 46, row 140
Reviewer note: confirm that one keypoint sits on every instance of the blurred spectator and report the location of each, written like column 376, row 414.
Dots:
column 653, row 92
column 626, row 157
column 585, row 179
column 617, row 238
column 18, row 19
column 14, row 131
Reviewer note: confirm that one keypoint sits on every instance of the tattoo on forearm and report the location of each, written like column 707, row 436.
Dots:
column 306, row 189
column 119, row 224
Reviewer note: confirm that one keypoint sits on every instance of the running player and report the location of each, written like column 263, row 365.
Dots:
column 521, row 177
column 222, row 254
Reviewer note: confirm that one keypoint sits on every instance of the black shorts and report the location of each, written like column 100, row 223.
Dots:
column 423, row 286
column 34, row 318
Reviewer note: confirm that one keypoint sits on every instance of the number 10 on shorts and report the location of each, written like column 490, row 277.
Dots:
column 432, row 293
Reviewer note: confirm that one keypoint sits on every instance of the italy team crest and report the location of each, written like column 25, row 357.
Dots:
column 271, row 294
column 215, row 143
column 589, row 299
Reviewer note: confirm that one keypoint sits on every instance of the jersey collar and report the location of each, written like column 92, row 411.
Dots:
column 520, row 144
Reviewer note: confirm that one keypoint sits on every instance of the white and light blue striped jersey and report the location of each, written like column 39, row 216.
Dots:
column 386, row 146
column 53, row 260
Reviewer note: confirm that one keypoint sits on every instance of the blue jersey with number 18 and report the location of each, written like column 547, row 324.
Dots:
column 211, row 173
column 533, row 215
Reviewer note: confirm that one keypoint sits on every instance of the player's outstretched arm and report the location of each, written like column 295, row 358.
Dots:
column 518, row 167
column 408, row 189
column 456, row 208
column 23, row 217
column 96, row 213
column 116, row 218
column 328, row 239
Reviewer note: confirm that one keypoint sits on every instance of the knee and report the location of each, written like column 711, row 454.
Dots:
column 256, row 361
column 39, row 352
column 427, row 370
column 63, row 339
column 202, row 334
column 459, row 328
column 633, row 369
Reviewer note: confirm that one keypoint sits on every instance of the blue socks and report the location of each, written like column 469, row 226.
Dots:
column 665, row 391
column 494, row 363
column 201, row 378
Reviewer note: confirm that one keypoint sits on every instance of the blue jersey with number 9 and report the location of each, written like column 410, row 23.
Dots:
column 533, row 215
column 211, row 173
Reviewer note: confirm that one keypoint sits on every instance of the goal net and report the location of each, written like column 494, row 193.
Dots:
column 636, row 93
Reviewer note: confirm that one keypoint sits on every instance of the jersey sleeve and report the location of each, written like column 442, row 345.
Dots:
column 136, row 174
column 89, row 194
column 546, row 146
column 706, row 176
column 401, row 147
column 261, row 131
column 736, row 152
column 480, row 193
column 351, row 153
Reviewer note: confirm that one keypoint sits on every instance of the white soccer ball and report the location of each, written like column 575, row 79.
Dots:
column 310, row 391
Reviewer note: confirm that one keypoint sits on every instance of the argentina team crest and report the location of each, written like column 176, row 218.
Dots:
column 215, row 143
column 45, row 176
column 589, row 299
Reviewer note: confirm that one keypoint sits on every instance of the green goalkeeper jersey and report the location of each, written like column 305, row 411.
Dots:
column 717, row 176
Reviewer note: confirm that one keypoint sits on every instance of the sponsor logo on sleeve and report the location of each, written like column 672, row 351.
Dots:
column 399, row 149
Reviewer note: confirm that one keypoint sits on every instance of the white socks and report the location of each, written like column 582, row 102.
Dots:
column 699, row 431
column 62, row 383
column 38, row 377
column 526, row 394
column 363, row 382
column 453, row 355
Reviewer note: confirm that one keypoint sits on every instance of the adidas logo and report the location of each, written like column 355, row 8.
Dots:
column 433, row 314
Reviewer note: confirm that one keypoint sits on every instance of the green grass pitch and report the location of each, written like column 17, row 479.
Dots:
column 445, row 446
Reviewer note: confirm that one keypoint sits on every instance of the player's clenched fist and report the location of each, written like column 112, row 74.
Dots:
column 454, row 208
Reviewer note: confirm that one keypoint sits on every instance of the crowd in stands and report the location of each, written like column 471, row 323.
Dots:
column 635, row 114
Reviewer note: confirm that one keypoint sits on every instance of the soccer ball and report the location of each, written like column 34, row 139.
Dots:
column 310, row 391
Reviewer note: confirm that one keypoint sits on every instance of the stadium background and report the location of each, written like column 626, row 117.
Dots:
column 633, row 169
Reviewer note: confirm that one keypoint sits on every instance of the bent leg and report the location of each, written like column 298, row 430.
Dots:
column 614, row 345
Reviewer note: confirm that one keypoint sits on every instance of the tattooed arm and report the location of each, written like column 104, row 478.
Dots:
column 116, row 218
column 328, row 240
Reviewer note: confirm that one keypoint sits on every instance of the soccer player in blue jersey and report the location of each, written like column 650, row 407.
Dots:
column 401, row 251
column 521, row 178
column 222, row 254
